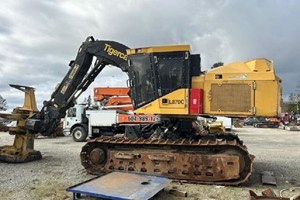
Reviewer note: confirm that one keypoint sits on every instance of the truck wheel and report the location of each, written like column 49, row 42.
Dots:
column 79, row 134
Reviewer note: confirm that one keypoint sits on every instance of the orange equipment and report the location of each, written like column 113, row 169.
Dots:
column 115, row 97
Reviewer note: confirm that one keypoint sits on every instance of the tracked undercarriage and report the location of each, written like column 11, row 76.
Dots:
column 218, row 159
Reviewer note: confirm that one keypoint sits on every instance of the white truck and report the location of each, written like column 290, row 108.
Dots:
column 227, row 122
column 81, row 122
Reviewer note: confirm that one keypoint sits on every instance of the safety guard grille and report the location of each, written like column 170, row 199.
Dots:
column 230, row 97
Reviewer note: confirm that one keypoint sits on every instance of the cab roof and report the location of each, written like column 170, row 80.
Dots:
column 158, row 49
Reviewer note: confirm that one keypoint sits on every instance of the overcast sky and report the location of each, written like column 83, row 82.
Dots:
column 39, row 38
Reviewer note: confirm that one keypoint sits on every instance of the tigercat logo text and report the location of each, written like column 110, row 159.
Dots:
column 111, row 51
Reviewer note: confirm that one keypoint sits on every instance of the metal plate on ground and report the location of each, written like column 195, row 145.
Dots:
column 121, row 186
column 268, row 178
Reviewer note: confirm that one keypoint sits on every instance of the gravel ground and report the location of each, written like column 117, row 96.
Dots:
column 275, row 150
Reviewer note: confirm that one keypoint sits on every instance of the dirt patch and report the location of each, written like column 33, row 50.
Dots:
column 49, row 191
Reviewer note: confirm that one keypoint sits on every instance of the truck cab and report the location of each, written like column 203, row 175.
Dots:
column 76, row 123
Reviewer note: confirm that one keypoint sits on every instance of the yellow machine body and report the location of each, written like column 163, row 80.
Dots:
column 177, row 103
column 242, row 88
column 239, row 89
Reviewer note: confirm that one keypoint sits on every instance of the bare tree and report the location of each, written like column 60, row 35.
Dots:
column 294, row 100
column 2, row 103
column 297, row 96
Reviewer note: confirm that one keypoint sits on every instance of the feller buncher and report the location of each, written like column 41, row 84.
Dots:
column 168, row 81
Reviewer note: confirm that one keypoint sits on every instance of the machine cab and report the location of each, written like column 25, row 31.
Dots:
column 157, row 71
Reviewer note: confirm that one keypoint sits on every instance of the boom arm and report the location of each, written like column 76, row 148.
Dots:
column 76, row 81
